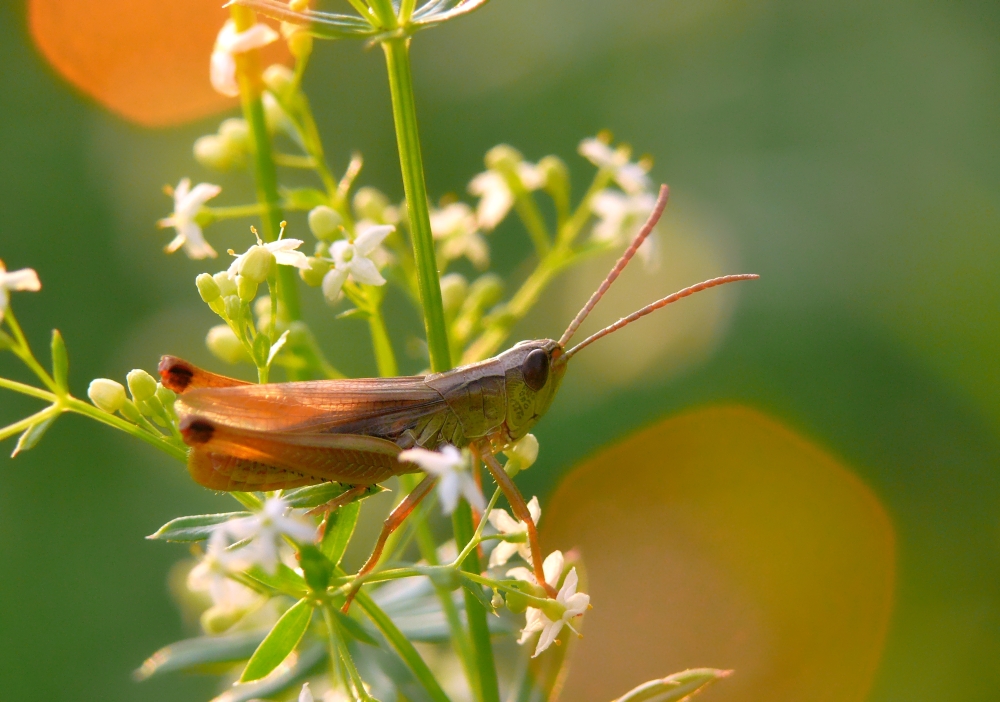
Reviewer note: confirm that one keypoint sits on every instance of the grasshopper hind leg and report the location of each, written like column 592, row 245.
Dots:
column 219, row 471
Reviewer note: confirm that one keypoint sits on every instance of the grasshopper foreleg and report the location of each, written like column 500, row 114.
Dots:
column 391, row 523
column 520, row 509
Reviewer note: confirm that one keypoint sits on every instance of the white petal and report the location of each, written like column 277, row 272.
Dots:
column 552, row 567
column 576, row 605
column 549, row 634
column 192, row 202
column 364, row 271
column 569, row 586
column 523, row 574
column 292, row 258
column 534, row 620
column 633, row 179
column 598, row 153
column 504, row 523
column 299, row 530
column 338, row 250
column 222, row 73
column 333, row 281
column 534, row 509
column 371, row 237
column 471, row 491
column 530, row 175
column 24, row 279
column 434, row 462
column 257, row 36
column 283, row 245
column 4, row 301
column 496, row 198
column 195, row 245
column 181, row 191
column 449, row 490
column 306, row 695
column 502, row 553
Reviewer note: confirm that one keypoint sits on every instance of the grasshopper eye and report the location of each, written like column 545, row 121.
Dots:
column 535, row 369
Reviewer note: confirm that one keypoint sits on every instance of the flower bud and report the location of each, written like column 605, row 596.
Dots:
column 279, row 79
column 300, row 41
column 486, row 291
column 497, row 600
column 233, row 308
column 218, row 619
column 131, row 412
column 324, row 222
column 275, row 117
column 246, row 288
column 227, row 286
column 141, row 384
column 107, row 394
column 555, row 176
column 454, row 288
column 257, row 266
column 522, row 455
column 208, row 288
column 166, row 396
column 224, row 345
column 503, row 157
column 313, row 275
column 552, row 609
column 236, row 133
column 516, row 602
column 370, row 203
column 212, row 151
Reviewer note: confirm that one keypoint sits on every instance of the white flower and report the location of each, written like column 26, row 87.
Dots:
column 354, row 259
column 452, row 468
column 265, row 530
column 455, row 226
column 630, row 176
column 306, row 695
column 621, row 216
column 567, row 605
column 187, row 202
column 506, row 524
column 24, row 279
column 222, row 67
column 211, row 576
column 495, row 194
column 283, row 251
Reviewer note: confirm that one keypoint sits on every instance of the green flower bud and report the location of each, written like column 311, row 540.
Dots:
column 279, row 79
column 486, row 291
column 236, row 133
column 522, row 455
column 227, row 286
column 214, row 152
column 313, row 275
column 555, row 176
column 224, row 345
column 497, row 600
column 208, row 288
column 216, row 620
column 503, row 157
column 517, row 602
column 258, row 265
column 324, row 222
column 552, row 609
column 454, row 288
column 107, row 394
column 166, row 396
column 141, row 384
column 233, row 308
column 275, row 116
column 370, row 203
column 131, row 412
column 246, row 288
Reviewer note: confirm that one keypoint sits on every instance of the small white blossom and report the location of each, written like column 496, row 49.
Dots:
column 506, row 524
column 452, row 468
column 24, row 279
column 495, row 196
column 211, row 576
column 567, row 605
column 283, row 251
column 222, row 67
column 354, row 259
column 621, row 216
column 630, row 176
column 265, row 530
column 187, row 202
column 456, row 227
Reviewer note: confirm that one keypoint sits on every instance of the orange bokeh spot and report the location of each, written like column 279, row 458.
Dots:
column 144, row 60
column 722, row 539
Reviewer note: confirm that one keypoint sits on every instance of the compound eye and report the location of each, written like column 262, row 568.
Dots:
column 535, row 369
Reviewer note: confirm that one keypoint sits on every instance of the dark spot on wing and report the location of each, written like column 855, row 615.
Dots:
column 196, row 431
column 175, row 373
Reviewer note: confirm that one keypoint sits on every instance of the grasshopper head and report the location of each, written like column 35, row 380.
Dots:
column 532, row 378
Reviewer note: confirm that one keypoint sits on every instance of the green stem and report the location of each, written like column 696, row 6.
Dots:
column 248, row 73
column 404, row 112
column 23, row 351
column 295, row 161
column 527, row 210
column 479, row 630
column 235, row 211
column 28, row 422
column 402, row 646
column 29, row 390
column 72, row 404
column 478, row 536
column 338, row 645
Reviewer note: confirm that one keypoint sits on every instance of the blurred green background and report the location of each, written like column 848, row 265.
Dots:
column 849, row 152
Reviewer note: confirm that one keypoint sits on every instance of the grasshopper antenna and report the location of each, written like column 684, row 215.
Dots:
column 654, row 217
column 625, row 321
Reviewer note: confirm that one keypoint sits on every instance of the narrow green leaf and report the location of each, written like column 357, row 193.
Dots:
column 287, row 676
column 352, row 313
column 31, row 436
column 190, row 653
column 316, row 495
column 194, row 528
column 339, row 530
column 477, row 591
column 316, row 567
column 676, row 687
column 354, row 628
column 284, row 579
column 282, row 639
column 60, row 361
column 6, row 342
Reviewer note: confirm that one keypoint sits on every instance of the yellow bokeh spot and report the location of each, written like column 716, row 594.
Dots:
column 720, row 538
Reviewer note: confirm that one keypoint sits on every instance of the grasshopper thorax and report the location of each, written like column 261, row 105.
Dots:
column 532, row 378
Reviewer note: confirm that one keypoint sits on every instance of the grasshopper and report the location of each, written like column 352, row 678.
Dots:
column 273, row 436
